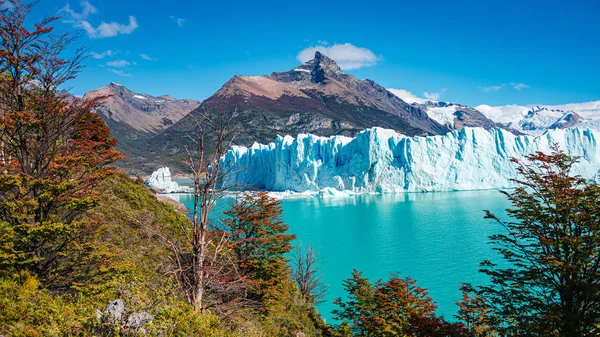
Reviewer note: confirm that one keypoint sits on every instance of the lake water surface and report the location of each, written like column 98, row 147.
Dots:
column 436, row 238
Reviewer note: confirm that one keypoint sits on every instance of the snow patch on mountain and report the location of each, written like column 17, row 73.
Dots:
column 536, row 119
column 381, row 160
column 443, row 115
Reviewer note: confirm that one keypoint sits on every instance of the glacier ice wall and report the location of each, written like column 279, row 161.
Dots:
column 380, row 160
column 161, row 181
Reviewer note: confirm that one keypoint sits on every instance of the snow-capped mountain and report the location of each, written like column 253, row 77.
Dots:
column 536, row 119
column 380, row 160
column 453, row 115
column 531, row 119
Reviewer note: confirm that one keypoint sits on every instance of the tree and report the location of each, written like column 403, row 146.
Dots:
column 53, row 153
column 306, row 273
column 393, row 308
column 549, row 284
column 257, row 233
column 201, row 251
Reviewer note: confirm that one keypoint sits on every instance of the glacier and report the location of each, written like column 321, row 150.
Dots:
column 380, row 160
column 161, row 180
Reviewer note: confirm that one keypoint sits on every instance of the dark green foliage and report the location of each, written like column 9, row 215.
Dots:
column 551, row 283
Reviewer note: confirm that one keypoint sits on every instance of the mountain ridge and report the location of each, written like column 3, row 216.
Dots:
column 134, row 117
column 315, row 97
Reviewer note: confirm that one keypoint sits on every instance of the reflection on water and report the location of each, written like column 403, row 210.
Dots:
column 436, row 238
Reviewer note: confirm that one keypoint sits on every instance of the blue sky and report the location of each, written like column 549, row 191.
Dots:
column 473, row 52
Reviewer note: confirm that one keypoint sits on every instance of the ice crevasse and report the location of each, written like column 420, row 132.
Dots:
column 381, row 160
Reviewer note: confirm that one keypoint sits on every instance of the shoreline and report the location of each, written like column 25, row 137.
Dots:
column 327, row 193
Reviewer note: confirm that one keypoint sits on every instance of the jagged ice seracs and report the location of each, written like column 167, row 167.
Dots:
column 381, row 160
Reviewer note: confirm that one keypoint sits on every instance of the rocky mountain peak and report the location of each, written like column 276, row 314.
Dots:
column 318, row 70
column 325, row 64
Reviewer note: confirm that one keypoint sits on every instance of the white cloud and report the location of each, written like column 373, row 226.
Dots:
column 493, row 88
column 406, row 96
column 179, row 21
column 411, row 98
column 99, row 56
column 111, row 29
column 346, row 55
column 120, row 72
column 519, row 86
column 514, row 85
column 434, row 96
column 105, row 29
column 118, row 63
column 146, row 57
column 86, row 10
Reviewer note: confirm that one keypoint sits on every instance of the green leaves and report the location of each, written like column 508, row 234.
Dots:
column 551, row 285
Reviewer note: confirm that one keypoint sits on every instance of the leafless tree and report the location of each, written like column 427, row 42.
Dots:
column 306, row 273
column 203, row 260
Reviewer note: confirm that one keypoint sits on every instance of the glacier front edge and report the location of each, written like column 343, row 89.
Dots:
column 381, row 160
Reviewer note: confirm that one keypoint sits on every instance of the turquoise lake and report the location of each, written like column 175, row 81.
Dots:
column 438, row 238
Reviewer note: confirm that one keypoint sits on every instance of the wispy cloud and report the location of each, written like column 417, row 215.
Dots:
column 411, row 98
column 519, row 86
column 104, row 30
column 347, row 56
column 120, row 72
column 179, row 21
column 147, row 58
column 434, row 96
column 86, row 10
column 514, row 85
column 493, row 88
column 118, row 63
column 406, row 95
column 99, row 56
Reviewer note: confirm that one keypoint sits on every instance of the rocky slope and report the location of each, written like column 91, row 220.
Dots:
column 315, row 97
column 134, row 117
column 453, row 115
column 456, row 116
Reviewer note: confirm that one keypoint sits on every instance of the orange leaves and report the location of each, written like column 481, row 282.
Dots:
column 257, row 234
column 53, row 152
column 393, row 308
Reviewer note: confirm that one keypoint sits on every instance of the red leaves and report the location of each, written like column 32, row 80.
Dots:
column 393, row 308
column 257, row 234
column 56, row 149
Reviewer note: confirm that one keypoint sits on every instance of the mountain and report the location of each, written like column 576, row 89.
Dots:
column 316, row 97
column 456, row 116
column 537, row 119
column 135, row 117
column 380, row 160
column 453, row 115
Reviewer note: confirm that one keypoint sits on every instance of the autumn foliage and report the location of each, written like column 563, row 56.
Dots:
column 549, row 282
column 397, row 307
column 258, row 235
column 53, row 153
